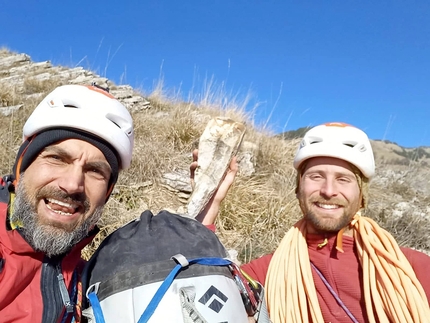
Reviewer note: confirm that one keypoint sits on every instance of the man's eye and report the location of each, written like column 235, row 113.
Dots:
column 344, row 180
column 55, row 157
column 315, row 176
column 98, row 172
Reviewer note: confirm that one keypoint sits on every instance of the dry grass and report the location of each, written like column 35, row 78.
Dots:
column 33, row 85
column 11, row 136
column 410, row 229
column 7, row 96
column 255, row 217
column 4, row 51
column 258, row 210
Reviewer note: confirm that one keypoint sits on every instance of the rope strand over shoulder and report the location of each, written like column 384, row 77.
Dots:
column 290, row 287
column 391, row 290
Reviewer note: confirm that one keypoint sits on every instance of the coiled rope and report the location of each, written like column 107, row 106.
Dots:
column 391, row 289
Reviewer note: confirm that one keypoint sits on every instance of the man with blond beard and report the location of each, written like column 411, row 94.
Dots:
column 336, row 265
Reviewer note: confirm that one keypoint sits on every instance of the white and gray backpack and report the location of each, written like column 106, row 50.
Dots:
column 166, row 268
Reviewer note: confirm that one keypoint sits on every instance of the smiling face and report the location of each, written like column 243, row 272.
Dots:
column 329, row 194
column 61, row 195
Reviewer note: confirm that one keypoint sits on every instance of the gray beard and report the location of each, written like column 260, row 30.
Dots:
column 49, row 239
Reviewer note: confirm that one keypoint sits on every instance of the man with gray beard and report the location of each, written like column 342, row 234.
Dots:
column 52, row 238
column 74, row 145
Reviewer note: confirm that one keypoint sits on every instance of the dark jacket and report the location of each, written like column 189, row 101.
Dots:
column 30, row 282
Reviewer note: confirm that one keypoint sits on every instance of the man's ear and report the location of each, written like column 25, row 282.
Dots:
column 297, row 190
column 298, row 180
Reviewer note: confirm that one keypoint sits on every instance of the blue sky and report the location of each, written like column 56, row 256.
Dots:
column 366, row 63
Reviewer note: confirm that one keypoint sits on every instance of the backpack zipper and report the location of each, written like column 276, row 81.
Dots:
column 68, row 304
column 54, row 292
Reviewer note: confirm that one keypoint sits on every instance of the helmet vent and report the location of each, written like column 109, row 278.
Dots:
column 351, row 144
column 314, row 140
column 70, row 106
column 121, row 123
column 340, row 141
column 362, row 148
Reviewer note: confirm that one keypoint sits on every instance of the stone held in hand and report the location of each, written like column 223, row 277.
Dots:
column 218, row 144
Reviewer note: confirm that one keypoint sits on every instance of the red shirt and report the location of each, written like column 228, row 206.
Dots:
column 26, row 294
column 343, row 272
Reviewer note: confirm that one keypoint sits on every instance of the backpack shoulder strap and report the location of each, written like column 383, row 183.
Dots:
column 6, row 195
column 5, row 183
column 4, row 207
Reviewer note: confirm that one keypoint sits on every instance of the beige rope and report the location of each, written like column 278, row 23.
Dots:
column 391, row 289
column 289, row 283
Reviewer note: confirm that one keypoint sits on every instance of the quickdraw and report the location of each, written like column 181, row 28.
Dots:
column 250, row 290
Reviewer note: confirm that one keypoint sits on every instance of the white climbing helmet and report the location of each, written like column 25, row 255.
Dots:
column 338, row 140
column 86, row 108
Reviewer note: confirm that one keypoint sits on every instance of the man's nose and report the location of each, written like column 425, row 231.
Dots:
column 72, row 180
column 329, row 188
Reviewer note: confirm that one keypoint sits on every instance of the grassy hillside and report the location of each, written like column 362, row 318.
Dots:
column 260, row 207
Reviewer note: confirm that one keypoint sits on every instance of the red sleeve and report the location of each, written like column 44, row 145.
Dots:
column 211, row 227
column 257, row 268
column 420, row 262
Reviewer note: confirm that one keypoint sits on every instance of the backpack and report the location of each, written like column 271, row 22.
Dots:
column 165, row 268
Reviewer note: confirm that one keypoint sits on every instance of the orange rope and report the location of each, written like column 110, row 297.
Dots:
column 401, row 296
column 78, row 311
column 391, row 289
column 289, row 284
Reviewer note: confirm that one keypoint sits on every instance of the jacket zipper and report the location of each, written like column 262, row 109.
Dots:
column 54, row 292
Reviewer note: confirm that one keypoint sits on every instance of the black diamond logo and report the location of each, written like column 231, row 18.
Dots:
column 215, row 298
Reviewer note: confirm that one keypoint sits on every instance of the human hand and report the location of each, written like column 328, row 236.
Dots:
column 210, row 212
